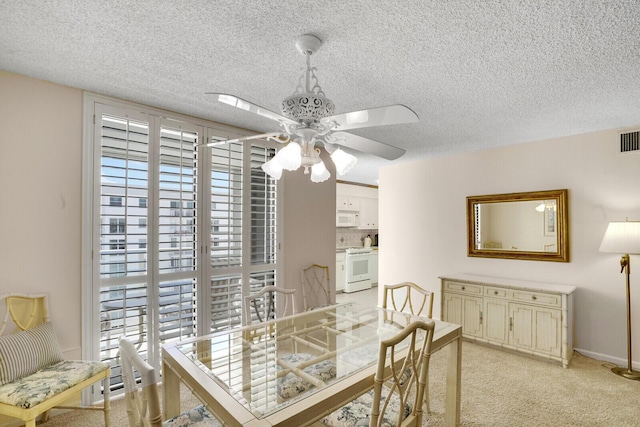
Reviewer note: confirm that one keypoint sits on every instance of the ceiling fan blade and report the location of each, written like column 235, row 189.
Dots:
column 390, row 115
column 242, row 104
column 367, row 145
column 274, row 136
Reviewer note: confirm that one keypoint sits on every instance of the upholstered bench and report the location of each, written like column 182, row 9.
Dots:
column 35, row 378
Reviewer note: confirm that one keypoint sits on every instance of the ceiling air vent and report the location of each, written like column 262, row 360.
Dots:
column 630, row 141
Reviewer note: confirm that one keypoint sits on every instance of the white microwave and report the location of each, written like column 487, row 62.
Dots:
column 346, row 219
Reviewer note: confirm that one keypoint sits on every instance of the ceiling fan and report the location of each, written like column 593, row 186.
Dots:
column 308, row 120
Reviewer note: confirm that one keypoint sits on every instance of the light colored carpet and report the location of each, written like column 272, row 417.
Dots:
column 498, row 389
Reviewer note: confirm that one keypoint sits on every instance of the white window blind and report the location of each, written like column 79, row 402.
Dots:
column 178, row 229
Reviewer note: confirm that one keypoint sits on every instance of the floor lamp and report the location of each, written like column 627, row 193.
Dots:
column 624, row 238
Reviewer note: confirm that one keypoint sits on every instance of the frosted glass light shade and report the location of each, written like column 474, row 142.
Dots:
column 343, row 161
column 622, row 237
column 290, row 157
column 272, row 168
column 319, row 172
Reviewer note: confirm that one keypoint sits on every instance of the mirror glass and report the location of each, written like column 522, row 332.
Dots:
column 532, row 225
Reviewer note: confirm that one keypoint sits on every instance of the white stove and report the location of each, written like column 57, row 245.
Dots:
column 358, row 271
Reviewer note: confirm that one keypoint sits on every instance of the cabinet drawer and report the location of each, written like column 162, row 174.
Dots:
column 537, row 298
column 492, row 292
column 464, row 288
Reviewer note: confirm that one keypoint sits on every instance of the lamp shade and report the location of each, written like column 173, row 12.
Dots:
column 290, row 157
column 319, row 172
column 622, row 237
column 272, row 168
column 343, row 161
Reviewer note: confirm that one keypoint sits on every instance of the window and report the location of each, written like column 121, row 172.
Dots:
column 216, row 198
column 116, row 244
column 116, row 225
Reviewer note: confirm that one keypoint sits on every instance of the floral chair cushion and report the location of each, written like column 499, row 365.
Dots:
column 292, row 385
column 196, row 417
column 34, row 389
column 358, row 412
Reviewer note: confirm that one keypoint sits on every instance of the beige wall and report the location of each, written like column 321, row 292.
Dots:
column 40, row 186
column 40, row 189
column 423, row 214
column 309, row 226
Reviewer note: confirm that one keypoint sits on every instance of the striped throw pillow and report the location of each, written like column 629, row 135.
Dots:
column 25, row 352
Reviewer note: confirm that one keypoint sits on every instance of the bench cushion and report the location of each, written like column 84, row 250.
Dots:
column 34, row 389
column 25, row 352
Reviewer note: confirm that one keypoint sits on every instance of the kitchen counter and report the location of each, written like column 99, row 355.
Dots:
column 344, row 248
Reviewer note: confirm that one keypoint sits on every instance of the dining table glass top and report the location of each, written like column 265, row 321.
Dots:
column 271, row 365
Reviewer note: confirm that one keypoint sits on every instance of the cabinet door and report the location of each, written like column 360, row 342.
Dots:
column 495, row 320
column 342, row 202
column 521, row 325
column 374, row 267
column 465, row 311
column 368, row 213
column 537, row 329
column 548, row 330
column 341, row 275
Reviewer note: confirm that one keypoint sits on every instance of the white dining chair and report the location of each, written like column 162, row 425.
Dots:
column 316, row 289
column 143, row 406
column 269, row 303
column 408, row 296
column 396, row 400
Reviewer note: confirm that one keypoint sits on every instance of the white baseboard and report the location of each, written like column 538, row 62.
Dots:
column 607, row 358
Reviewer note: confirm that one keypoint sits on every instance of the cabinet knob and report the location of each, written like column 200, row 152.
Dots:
column 463, row 288
column 533, row 297
column 495, row 292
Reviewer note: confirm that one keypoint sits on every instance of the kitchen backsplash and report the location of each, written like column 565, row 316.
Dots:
column 352, row 237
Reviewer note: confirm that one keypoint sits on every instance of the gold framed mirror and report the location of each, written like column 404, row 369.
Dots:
column 529, row 226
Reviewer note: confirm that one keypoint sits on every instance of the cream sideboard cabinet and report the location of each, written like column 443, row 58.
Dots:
column 530, row 317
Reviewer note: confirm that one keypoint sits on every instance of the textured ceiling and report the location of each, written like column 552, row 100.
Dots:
column 479, row 74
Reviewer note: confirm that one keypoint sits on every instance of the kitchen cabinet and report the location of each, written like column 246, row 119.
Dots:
column 341, row 275
column 374, row 267
column 532, row 317
column 368, row 213
column 344, row 203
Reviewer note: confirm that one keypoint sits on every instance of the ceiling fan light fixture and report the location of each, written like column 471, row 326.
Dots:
column 273, row 168
column 343, row 161
column 290, row 157
column 308, row 118
column 319, row 172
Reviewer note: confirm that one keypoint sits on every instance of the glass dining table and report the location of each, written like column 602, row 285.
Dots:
column 295, row 370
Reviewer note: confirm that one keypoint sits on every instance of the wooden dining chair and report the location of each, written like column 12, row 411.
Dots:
column 143, row 406
column 394, row 400
column 408, row 296
column 412, row 298
column 265, row 304
column 316, row 291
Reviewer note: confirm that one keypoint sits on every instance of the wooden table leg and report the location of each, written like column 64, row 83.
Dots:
column 170, row 392
column 454, row 374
